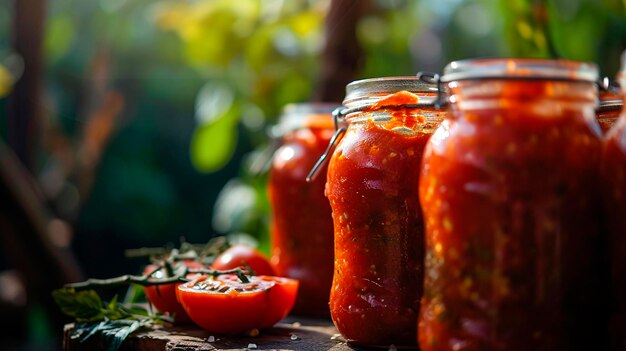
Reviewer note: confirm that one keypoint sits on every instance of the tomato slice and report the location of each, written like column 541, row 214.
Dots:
column 225, row 305
column 282, row 298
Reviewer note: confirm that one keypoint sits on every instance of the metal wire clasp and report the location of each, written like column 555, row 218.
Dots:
column 338, row 114
column 434, row 78
column 608, row 85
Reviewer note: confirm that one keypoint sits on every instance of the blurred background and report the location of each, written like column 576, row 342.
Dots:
column 131, row 123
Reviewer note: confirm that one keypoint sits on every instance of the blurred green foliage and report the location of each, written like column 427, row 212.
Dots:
column 584, row 30
column 203, row 79
column 256, row 57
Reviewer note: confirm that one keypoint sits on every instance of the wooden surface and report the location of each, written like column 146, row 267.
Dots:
column 310, row 334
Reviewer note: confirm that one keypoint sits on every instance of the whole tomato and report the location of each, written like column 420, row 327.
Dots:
column 163, row 297
column 244, row 256
column 225, row 305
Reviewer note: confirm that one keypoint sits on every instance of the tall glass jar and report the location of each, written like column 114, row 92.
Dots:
column 372, row 188
column 614, row 181
column 301, row 222
column 509, row 188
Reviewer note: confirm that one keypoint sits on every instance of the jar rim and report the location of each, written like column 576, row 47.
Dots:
column 610, row 103
column 297, row 115
column 366, row 89
column 308, row 107
column 520, row 68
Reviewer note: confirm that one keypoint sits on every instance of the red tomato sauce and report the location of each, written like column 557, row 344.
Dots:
column 614, row 181
column 509, row 192
column 302, row 226
column 609, row 111
column 372, row 187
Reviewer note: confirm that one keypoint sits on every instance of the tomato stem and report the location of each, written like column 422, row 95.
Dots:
column 241, row 274
column 143, row 280
column 147, row 280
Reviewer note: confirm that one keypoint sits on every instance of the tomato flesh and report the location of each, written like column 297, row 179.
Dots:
column 224, row 305
column 163, row 297
column 281, row 300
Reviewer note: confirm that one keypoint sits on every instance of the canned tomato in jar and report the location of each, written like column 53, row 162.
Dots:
column 372, row 187
column 614, row 182
column 301, row 222
column 509, row 188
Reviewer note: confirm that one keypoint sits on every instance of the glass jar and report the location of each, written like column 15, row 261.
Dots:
column 301, row 222
column 614, row 181
column 609, row 110
column 509, row 190
column 372, row 188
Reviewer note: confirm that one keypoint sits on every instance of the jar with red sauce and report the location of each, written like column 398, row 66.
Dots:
column 372, row 188
column 509, row 188
column 301, row 223
column 609, row 110
column 614, row 181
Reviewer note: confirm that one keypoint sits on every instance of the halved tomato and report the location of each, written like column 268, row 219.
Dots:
column 225, row 305
column 243, row 256
column 163, row 297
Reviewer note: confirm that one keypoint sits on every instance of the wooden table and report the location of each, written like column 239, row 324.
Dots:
column 291, row 334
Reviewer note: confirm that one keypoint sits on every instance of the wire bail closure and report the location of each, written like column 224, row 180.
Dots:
column 338, row 114
column 435, row 79
column 608, row 85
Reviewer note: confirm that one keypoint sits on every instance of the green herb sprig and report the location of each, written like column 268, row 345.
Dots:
column 115, row 321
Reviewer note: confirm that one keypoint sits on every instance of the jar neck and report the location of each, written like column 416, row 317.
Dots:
column 304, row 116
column 520, row 68
column 400, row 105
column 610, row 103
column 396, row 115
column 376, row 93
column 537, row 95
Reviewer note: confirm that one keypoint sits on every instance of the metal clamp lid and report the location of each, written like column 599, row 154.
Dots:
column 340, row 129
column 520, row 68
column 434, row 78
column 293, row 117
column 606, row 84
column 340, row 114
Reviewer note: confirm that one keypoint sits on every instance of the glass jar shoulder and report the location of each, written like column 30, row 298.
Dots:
column 299, row 152
column 517, row 136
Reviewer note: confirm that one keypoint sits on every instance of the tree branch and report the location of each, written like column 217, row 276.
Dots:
column 342, row 56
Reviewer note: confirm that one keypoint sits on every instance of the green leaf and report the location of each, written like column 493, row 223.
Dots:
column 119, row 332
column 235, row 207
column 83, row 305
column 113, row 332
column 60, row 33
column 136, row 310
column 213, row 144
column 213, row 102
column 112, row 305
column 115, row 337
column 6, row 81
column 86, row 330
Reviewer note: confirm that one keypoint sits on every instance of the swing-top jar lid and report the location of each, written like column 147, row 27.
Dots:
column 520, row 68
column 368, row 91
